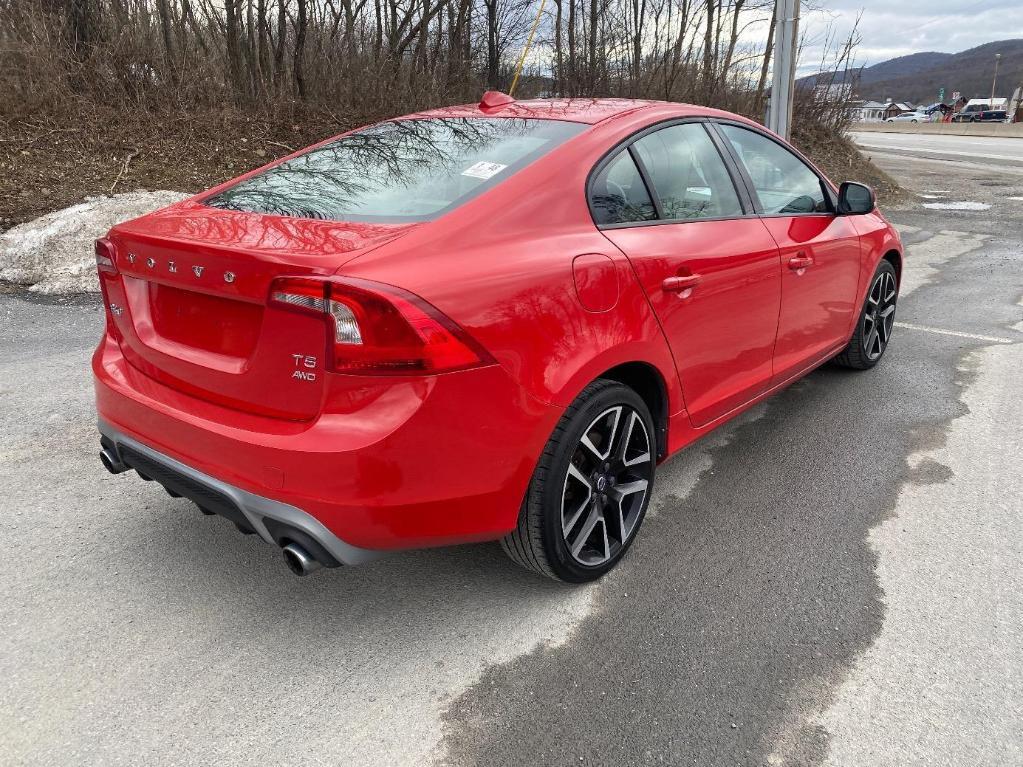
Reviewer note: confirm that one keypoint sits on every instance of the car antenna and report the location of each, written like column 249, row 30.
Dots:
column 495, row 100
column 525, row 48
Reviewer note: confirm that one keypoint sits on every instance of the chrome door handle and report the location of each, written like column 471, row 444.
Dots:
column 800, row 262
column 678, row 284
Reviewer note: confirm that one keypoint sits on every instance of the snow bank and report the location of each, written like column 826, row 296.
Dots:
column 54, row 254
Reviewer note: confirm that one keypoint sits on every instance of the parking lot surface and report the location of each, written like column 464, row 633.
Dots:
column 834, row 578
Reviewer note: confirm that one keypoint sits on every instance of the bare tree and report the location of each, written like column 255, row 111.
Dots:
column 387, row 56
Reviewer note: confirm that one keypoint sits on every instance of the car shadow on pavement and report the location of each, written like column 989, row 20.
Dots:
column 747, row 596
column 406, row 586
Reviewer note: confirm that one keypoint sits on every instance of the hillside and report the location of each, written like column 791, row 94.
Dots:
column 919, row 76
column 903, row 66
column 897, row 67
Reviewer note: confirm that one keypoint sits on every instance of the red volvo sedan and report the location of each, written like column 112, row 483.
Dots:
column 486, row 322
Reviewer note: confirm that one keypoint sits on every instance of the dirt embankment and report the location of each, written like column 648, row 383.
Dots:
column 48, row 163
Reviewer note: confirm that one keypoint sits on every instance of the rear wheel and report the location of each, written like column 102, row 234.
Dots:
column 877, row 319
column 590, row 489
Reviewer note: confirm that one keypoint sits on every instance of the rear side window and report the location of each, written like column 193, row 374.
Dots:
column 688, row 174
column 398, row 171
column 783, row 183
column 618, row 194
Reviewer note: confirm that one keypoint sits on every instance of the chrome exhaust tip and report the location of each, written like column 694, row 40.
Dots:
column 298, row 560
column 111, row 462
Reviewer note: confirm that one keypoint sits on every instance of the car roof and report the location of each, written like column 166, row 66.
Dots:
column 582, row 110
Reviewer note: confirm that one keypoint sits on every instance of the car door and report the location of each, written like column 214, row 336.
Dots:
column 710, row 268
column 820, row 251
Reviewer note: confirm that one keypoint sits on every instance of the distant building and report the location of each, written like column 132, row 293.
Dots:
column 866, row 111
column 895, row 108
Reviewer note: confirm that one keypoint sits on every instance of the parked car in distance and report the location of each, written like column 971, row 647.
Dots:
column 909, row 117
column 483, row 322
column 969, row 112
column 990, row 116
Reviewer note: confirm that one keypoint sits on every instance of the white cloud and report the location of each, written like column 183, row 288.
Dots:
column 890, row 29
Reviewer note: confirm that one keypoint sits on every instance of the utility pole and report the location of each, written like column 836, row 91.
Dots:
column 998, row 57
column 786, row 29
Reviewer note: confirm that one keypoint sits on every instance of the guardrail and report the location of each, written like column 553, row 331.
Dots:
column 1003, row 130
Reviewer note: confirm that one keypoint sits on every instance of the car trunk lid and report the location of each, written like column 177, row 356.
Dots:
column 193, row 290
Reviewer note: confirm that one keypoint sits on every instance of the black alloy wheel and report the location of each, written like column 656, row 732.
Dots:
column 876, row 322
column 591, row 487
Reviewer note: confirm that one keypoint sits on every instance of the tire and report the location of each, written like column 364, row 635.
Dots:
column 875, row 323
column 559, row 506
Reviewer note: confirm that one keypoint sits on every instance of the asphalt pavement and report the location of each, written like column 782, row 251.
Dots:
column 1004, row 154
column 832, row 579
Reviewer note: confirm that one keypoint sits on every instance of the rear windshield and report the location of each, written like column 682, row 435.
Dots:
column 398, row 171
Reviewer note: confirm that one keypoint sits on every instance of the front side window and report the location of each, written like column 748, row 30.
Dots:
column 398, row 171
column 783, row 182
column 618, row 194
column 687, row 173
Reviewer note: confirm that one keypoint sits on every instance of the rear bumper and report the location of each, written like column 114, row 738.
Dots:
column 275, row 522
column 389, row 464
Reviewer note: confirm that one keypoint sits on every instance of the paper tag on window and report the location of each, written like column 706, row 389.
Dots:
column 484, row 170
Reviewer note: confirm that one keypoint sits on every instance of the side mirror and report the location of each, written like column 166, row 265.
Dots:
column 855, row 199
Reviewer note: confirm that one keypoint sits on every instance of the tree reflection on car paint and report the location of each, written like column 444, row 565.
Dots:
column 397, row 171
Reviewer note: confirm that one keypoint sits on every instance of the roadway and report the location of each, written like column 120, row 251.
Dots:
column 985, row 151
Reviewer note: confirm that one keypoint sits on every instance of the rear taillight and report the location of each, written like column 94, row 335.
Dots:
column 376, row 329
column 105, row 255
column 106, row 264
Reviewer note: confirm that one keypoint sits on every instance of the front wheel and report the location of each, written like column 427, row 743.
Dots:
column 590, row 489
column 876, row 321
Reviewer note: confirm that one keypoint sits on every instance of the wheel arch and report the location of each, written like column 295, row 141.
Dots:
column 646, row 380
column 895, row 259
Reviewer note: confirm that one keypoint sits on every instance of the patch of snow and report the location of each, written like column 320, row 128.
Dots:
column 54, row 253
column 1017, row 199
column 956, row 205
column 931, row 196
column 938, row 191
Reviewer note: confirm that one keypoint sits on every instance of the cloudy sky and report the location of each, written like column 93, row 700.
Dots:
column 890, row 28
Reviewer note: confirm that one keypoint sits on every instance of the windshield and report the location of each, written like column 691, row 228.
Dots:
column 398, row 171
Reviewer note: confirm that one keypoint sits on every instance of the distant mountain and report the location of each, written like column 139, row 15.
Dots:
column 903, row 65
column 919, row 76
column 886, row 70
